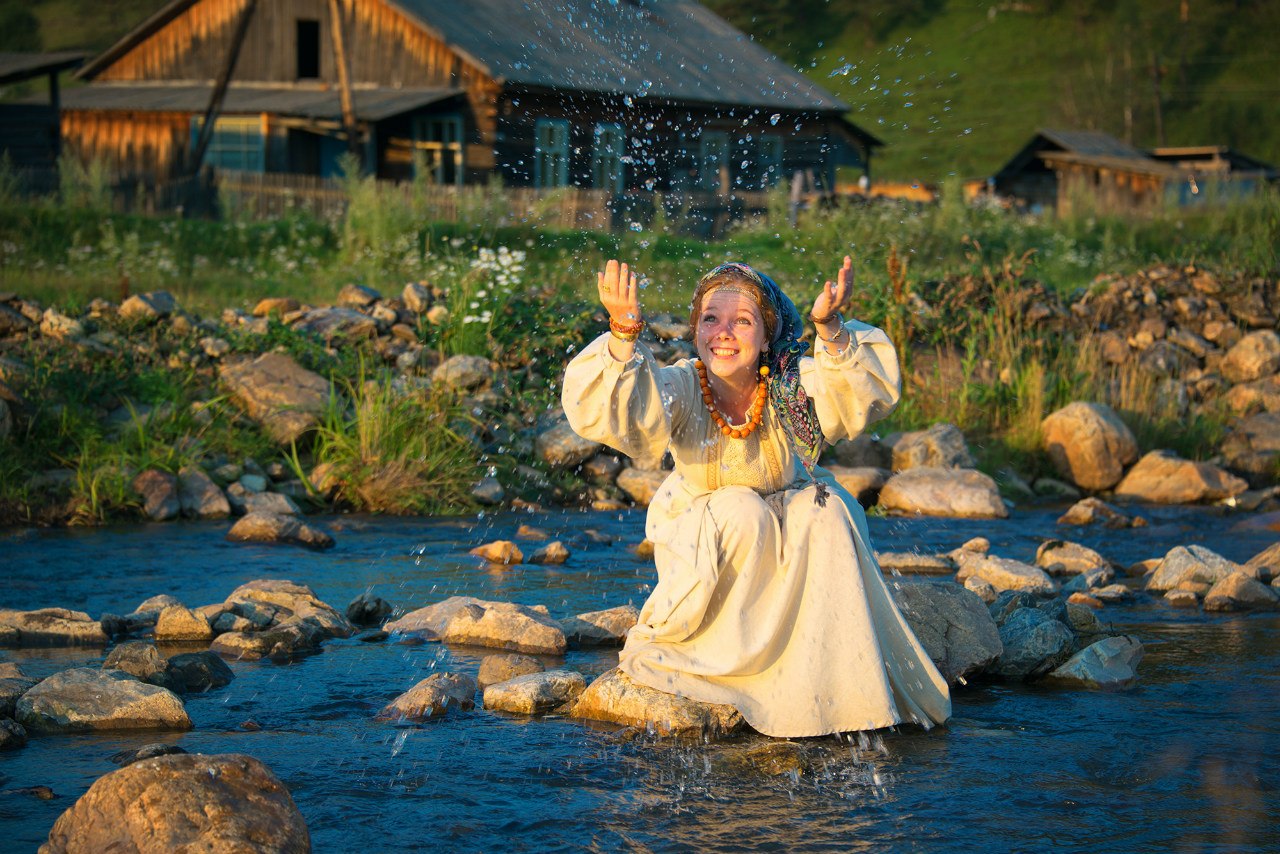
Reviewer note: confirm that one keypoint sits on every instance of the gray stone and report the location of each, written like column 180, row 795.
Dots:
column 84, row 700
column 463, row 373
column 1090, row 580
column 276, row 528
column 368, row 609
column 1182, row 598
column 1059, row 557
column 488, row 491
column 1088, row 444
column 196, row 672
column 159, row 491
column 863, row 451
column 1265, row 565
column 357, row 296
column 955, row 493
column 278, row 393
column 1111, row 663
column 336, row 322
column 1034, row 644
column 199, row 496
column 1239, row 592
column 1253, row 357
column 283, row 642
column 11, row 688
column 535, row 693
column 138, row 659
column 910, row 563
column 504, row 666
column 288, row 602
column 432, row 697
column 1091, row 511
column 1007, row 574
column 50, row 627
column 1192, row 563
column 952, row 624
column 560, row 447
column 1161, row 477
column 12, row 735
column 940, row 446
column 512, row 627
column 553, row 554
column 152, row 306
column 615, row 698
column 601, row 628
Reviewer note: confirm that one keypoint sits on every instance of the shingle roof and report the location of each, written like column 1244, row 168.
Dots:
column 1091, row 143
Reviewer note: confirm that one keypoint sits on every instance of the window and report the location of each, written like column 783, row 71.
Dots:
column 713, row 158
column 307, row 45
column 551, row 153
column 237, row 143
column 437, row 146
column 606, row 158
column 770, row 158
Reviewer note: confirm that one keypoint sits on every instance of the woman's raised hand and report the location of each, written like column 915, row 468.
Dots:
column 833, row 296
column 619, row 293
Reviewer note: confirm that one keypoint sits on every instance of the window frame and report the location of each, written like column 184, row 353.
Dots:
column 238, row 143
column 551, row 156
column 608, row 165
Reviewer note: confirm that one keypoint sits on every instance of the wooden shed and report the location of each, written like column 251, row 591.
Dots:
column 626, row 95
column 29, row 132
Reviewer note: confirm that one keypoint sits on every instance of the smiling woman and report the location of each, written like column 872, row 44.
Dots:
column 769, row 598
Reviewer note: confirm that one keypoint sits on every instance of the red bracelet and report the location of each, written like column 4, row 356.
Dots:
column 626, row 328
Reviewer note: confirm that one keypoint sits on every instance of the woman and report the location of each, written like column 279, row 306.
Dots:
column 768, row 598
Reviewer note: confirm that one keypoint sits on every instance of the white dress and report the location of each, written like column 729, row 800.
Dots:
column 767, row 599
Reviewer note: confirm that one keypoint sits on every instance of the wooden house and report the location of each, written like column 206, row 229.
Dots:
column 29, row 132
column 623, row 95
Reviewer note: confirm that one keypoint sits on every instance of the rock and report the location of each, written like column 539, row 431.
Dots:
column 12, row 735
column 601, row 628
column 266, row 503
column 1253, row 357
column 275, row 528
column 197, row 672
column 488, row 491
column 199, row 496
column 602, row 467
column 147, row 751
column 153, row 306
column 952, row 624
column 1265, row 565
column 84, row 700
column 368, row 609
column 535, row 693
column 140, row 660
column 278, row 306
column 463, row 373
column 1007, row 574
column 910, row 563
column 1161, row 477
column 284, row 642
column 179, row 623
column 1034, row 644
column 982, row 589
column 1239, row 592
column 159, row 491
column 553, row 553
column 288, row 603
column 863, row 483
column 337, row 322
column 278, row 393
column 357, row 296
column 514, row 627
column 640, row 485
column 1090, row 580
column 1082, row 620
column 1085, row 599
column 502, row 552
column 1091, row 511
column 1051, row 487
column 940, row 446
column 50, row 627
column 863, row 451
column 614, row 697
column 432, row 697
column 1193, row 563
column 1088, row 444
column 1182, row 598
column 13, row 687
column 1111, row 663
column 771, row 758
column 416, row 297
column 438, row 315
column 1259, row 395
column 504, row 666
column 955, row 493
column 1253, row 448
column 184, row 802
column 1059, row 557
column 560, row 447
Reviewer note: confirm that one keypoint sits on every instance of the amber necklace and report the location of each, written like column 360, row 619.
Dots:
column 755, row 413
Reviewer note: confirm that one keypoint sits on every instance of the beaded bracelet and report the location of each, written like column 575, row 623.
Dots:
column 821, row 321
column 626, row 328
column 833, row 338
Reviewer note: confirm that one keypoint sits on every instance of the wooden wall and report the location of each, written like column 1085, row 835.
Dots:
column 131, row 143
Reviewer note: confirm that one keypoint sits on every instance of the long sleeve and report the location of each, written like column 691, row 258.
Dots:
column 857, row 387
column 630, row 406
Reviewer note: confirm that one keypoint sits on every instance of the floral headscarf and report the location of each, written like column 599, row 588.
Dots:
column 793, row 405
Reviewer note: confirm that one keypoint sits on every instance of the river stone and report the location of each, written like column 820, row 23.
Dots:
column 862, row 482
column 552, row 554
column 1182, row 598
column 152, row 306
column 1111, row 663
column 283, row 642
column 265, row 503
column 535, row 693
column 1034, row 644
column 940, row 446
column 196, row 672
column 1082, row 620
column 180, row 623
column 12, row 735
column 11, row 688
column 292, row 603
column 1253, row 447
column 336, row 321
column 1161, row 477
column 139, row 659
column 560, row 447
column 276, row 528
column 952, row 624
column 910, row 563
column 50, row 627
column 1265, row 565
column 368, row 609
column 1090, row 580
column 601, row 628
column 503, row 666
column 432, row 697
column 501, row 552
column 1088, row 444
column 488, row 491
column 1251, row 397
column 83, row 699
column 278, row 393
column 1059, row 557
column 1239, row 592
column 954, row 493
column 1008, row 574
column 199, row 496
column 1112, row 593
column 159, row 491
column 463, row 373
column 518, row 628
column 641, row 485
column 1091, row 511
column 982, row 589
column 1009, row 601
column 1189, row 563
column 184, row 803
column 1253, row 357
column 615, row 698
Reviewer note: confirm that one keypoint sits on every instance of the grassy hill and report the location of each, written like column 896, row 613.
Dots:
column 953, row 87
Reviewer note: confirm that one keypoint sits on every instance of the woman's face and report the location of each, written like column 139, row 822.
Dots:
column 730, row 335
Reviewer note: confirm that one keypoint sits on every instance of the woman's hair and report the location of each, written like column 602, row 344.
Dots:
column 730, row 275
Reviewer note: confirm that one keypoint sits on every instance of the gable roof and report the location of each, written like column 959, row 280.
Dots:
column 1084, row 143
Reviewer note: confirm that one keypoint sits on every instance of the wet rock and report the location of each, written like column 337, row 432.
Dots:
column 368, row 609
column 615, row 698
column 1161, row 477
column 1193, row 563
column 560, row 447
column 1034, row 644
column 1091, row 511
column 940, row 446
column 463, row 373
column 288, row 602
column 954, row 493
column 602, row 467
column 12, row 686
column 1059, row 557
column 1239, row 592
column 601, row 628
column 1265, row 565
column 336, row 322
column 1088, row 444
column 1007, row 574
column 12, row 735
column 244, row 502
column 552, row 554
column 1253, row 357
column 196, row 672
column 1182, row 598
column 83, row 700
column 50, row 627
column 275, row 528
column 952, row 624
column 773, row 758
column 180, row 623
column 505, row 627
column 1081, row 619
column 863, row 451
column 184, row 802
column 147, row 751
column 501, row 552
column 199, row 496
column 982, row 589
column 910, row 563
column 863, row 483
column 152, row 306
column 283, row 642
column 535, row 693
column 641, row 485
column 432, row 697
column 488, row 491
column 1109, row 664
column 140, row 660
column 159, row 491
column 501, row 667
column 1009, row 601
column 1089, row 580
column 278, row 393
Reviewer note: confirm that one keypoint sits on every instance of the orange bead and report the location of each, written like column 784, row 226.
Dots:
column 725, row 429
column 764, row 370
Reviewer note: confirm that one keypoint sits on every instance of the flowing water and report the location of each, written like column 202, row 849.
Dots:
column 1185, row 761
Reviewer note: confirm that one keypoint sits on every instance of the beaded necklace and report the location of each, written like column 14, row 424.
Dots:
column 755, row 413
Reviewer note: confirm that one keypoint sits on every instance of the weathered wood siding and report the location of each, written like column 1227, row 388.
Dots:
column 132, row 143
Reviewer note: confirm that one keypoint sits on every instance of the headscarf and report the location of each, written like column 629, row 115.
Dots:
column 794, row 407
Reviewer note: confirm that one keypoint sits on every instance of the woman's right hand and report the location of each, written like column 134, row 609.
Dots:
column 619, row 289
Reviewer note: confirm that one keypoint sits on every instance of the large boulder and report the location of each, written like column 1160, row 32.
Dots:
column 601, row 628
column 1162, row 477
column 615, row 698
column 434, row 696
column 331, row 322
column 1239, row 592
column 1253, row 357
column 1088, row 444
column 430, row 622
column 140, row 660
column 199, row 496
column 13, row 684
column 1091, row 511
column 1034, row 643
column 283, row 603
column 159, row 491
column 1059, row 557
column 535, row 693
column 1193, row 564
column 1265, row 565
column 560, row 447
column 1007, row 574
column 940, row 446
column 183, row 802
column 278, row 393
column 932, row 491
column 463, row 373
column 196, row 672
column 504, row 666
column 641, row 485
column 84, row 700
column 863, row 482
column 1110, row 663
column 952, row 624
column 178, row 623
column 515, row 627
column 284, row 642
column 50, row 627
column 278, row 528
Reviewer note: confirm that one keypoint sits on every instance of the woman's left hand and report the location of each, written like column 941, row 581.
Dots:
column 834, row 295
